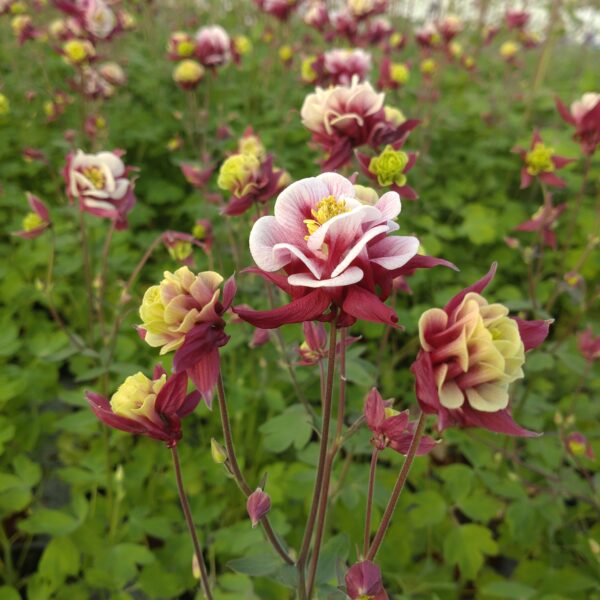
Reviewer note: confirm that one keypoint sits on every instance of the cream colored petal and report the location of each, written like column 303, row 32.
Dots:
column 488, row 397
column 451, row 396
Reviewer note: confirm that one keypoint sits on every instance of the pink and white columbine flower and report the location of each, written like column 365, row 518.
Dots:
column 584, row 115
column 335, row 250
column 280, row 9
column 316, row 15
column 100, row 183
column 213, row 46
column 342, row 65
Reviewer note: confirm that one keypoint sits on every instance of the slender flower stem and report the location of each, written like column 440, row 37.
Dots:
column 319, row 479
column 324, row 500
column 102, row 286
column 190, row 523
column 87, row 270
column 398, row 487
column 134, row 275
column 239, row 476
column 369, row 509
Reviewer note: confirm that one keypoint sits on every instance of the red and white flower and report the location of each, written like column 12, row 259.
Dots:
column 584, row 115
column 101, row 184
column 213, row 46
column 336, row 253
column 342, row 65
column 363, row 580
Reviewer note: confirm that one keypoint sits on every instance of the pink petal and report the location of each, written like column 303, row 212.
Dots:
column 533, row 333
column 362, row 304
column 394, row 252
column 526, row 178
column 205, row 373
column 374, row 410
column 499, row 422
column 172, row 395
column 564, row 112
column 337, row 185
column 477, row 287
column 265, row 233
column 38, row 207
column 294, row 204
column 389, row 205
column 552, row 179
column 426, row 390
column 358, row 247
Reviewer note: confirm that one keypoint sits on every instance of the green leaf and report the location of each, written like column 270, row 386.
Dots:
column 292, row 426
column 256, row 564
column 49, row 521
column 430, row 509
column 333, row 552
column 511, row 590
column 60, row 559
column 467, row 546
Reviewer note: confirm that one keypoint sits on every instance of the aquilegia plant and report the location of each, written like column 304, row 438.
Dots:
column 333, row 249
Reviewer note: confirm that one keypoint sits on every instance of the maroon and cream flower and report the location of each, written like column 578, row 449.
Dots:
column 101, row 185
column 280, row 9
column 516, row 19
column 184, row 313
column 316, row 15
column 589, row 345
column 341, row 65
column 336, row 253
column 180, row 45
column 471, row 352
column 544, row 221
column 391, row 428
column 36, row 221
column 213, row 46
column 343, row 118
column 143, row 406
column 584, row 115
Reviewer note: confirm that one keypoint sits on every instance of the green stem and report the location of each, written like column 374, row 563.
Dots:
column 190, row 524
column 369, row 509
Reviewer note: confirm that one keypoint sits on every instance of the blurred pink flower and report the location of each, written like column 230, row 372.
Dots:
column 213, row 46
column 584, row 115
column 363, row 580
column 35, row 222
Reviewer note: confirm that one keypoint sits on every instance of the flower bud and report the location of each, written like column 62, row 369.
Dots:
column 242, row 45
column 258, row 505
column 389, row 167
column 77, row 52
column 237, row 174
column 188, row 74
column 218, row 453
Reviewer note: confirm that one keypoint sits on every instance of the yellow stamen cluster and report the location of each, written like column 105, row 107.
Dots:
column 325, row 210
column 136, row 396
column 539, row 160
column 95, row 176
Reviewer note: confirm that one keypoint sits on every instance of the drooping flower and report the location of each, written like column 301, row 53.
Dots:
column 509, row 51
column 36, row 221
column 101, row 185
column 213, row 46
column 280, row 9
column 183, row 313
column 95, row 17
column 589, row 345
column 389, row 169
column 427, row 36
column 180, row 45
column 378, row 30
column 343, row 118
column 391, row 428
column 188, row 74
column 363, row 581
column 316, row 15
column 541, row 162
column 180, row 246
column 258, row 505
column 342, row 65
column 392, row 75
column 578, row 445
column 544, row 221
column 449, row 27
column 113, row 73
column 584, row 115
column 143, row 406
column 362, row 9
column 197, row 174
column 336, row 253
column 314, row 347
column 516, row 19
column 471, row 352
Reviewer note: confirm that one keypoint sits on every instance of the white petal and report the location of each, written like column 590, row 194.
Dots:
column 113, row 162
column 398, row 250
column 294, row 204
column 358, row 247
column 265, row 233
column 349, row 277
column 337, row 185
column 389, row 205
column 488, row 397
column 284, row 250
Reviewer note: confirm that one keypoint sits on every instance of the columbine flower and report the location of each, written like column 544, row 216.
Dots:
column 389, row 169
column 280, row 9
column 391, row 428
column 77, row 52
column 392, row 75
column 113, row 73
column 471, row 352
column 578, row 445
column 196, row 174
column 180, row 45
column 449, row 27
column 427, row 36
column 143, row 406
column 316, row 15
column 342, row 118
column 36, row 221
column 363, row 581
column 344, row 24
column 180, row 246
column 203, row 232
column 516, row 19
column 342, row 65
column 540, row 161
column 314, row 347
column 250, row 143
column 258, row 505
column 334, row 249
column 589, row 345
column 378, row 30
column 188, row 74
column 428, row 67
column 584, row 115
column 241, row 45
column 101, row 185
column 544, row 221
column 213, row 46
column 183, row 313
column 361, row 9
column 509, row 51
column 249, row 179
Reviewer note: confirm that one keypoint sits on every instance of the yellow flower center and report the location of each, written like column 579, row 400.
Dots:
column 136, row 396
column 308, row 73
column 389, row 167
column 325, row 210
column 428, row 66
column 75, row 51
column 243, row 45
column 95, row 176
column 188, row 71
column 32, row 221
column 539, row 160
column 285, row 53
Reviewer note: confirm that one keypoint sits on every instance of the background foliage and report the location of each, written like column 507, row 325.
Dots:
column 88, row 512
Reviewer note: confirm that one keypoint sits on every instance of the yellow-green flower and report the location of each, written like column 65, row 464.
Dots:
column 237, row 174
column 180, row 250
column 509, row 49
column 307, row 72
column 399, row 73
column 286, row 53
column 389, row 167
column 188, row 73
column 4, row 105
column 136, row 397
column 428, row 66
column 78, row 51
column 242, row 45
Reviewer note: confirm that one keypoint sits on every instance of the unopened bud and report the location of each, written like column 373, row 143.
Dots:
column 258, row 505
column 218, row 453
column 196, row 567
